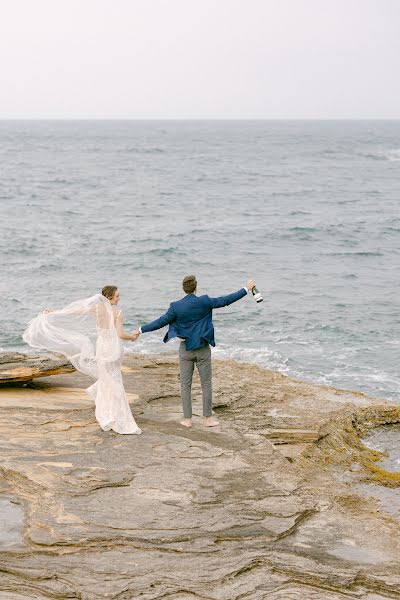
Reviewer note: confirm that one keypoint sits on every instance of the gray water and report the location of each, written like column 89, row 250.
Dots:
column 309, row 209
column 386, row 439
column 11, row 523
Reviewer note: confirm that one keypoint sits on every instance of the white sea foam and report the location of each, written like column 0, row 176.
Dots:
column 263, row 356
column 393, row 155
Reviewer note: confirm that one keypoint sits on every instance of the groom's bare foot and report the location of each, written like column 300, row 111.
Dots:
column 186, row 422
column 210, row 422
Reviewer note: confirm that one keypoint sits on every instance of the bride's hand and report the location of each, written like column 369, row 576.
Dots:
column 135, row 335
column 47, row 311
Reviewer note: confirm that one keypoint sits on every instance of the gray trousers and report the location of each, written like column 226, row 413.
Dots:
column 187, row 359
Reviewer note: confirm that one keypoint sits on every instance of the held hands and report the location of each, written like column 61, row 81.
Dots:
column 135, row 335
column 250, row 284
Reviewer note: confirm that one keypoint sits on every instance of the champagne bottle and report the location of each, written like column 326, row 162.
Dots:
column 257, row 295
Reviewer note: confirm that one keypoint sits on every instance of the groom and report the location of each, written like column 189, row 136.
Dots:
column 190, row 320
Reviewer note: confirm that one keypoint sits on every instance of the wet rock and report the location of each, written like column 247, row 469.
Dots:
column 202, row 513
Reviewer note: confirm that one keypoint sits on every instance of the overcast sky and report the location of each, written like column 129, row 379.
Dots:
column 200, row 59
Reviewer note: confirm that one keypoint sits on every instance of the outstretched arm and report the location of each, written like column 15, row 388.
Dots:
column 230, row 298
column 124, row 335
column 166, row 319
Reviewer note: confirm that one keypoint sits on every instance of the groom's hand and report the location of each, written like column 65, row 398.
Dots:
column 250, row 284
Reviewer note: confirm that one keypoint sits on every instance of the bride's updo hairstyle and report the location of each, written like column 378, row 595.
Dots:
column 108, row 291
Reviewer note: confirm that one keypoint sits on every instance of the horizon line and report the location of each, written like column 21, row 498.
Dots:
column 199, row 118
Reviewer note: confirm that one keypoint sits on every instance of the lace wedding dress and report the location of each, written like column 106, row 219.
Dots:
column 85, row 333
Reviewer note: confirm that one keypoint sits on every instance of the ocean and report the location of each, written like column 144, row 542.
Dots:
column 309, row 209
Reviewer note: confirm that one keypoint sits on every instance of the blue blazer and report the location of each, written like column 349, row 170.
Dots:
column 191, row 319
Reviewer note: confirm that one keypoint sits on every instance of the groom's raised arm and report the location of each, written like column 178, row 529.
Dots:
column 166, row 319
column 230, row 298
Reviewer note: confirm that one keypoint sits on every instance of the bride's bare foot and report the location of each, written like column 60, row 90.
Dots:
column 186, row 422
column 210, row 422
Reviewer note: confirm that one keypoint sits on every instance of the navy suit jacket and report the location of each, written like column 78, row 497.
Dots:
column 191, row 319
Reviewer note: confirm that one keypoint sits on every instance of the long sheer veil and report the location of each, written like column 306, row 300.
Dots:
column 77, row 331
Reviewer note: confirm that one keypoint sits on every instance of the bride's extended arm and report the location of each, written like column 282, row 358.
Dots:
column 124, row 335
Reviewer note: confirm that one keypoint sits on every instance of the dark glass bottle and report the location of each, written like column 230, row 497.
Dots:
column 257, row 295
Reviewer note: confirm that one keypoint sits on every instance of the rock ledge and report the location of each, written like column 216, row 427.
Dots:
column 19, row 367
column 277, row 503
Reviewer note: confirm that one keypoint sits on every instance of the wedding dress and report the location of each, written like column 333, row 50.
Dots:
column 85, row 333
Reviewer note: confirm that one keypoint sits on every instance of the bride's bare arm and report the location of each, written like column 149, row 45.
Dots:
column 124, row 335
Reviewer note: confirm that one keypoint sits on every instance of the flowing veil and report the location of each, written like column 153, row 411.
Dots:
column 73, row 331
column 85, row 332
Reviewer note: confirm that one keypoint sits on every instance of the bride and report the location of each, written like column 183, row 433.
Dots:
column 89, row 333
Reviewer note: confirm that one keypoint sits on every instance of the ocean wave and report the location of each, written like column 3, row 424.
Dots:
column 393, row 155
column 303, row 229
column 264, row 356
column 365, row 253
column 158, row 239
column 374, row 156
column 160, row 252
column 303, row 234
column 138, row 150
column 391, row 230
column 61, row 181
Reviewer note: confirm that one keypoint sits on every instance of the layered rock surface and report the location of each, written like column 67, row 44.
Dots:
column 272, row 504
column 17, row 367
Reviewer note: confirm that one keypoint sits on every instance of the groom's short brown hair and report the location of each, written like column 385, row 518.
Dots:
column 189, row 284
